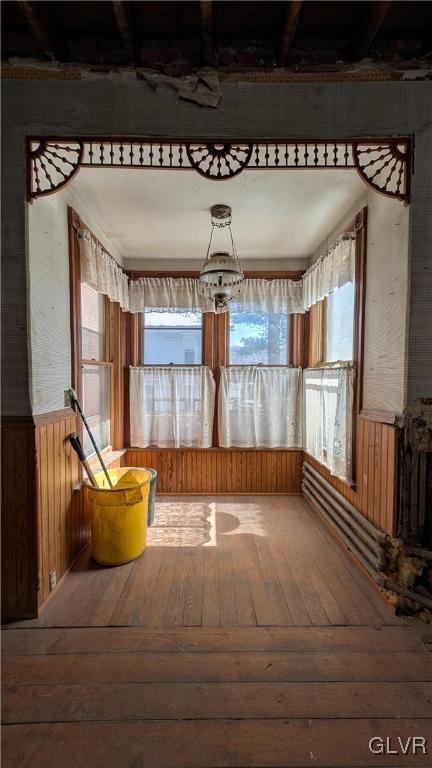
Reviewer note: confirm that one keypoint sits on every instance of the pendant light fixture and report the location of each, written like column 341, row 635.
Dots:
column 221, row 275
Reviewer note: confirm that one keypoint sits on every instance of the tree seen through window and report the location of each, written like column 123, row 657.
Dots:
column 257, row 337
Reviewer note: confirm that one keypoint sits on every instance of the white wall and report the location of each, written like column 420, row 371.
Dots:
column 385, row 325
column 49, row 297
column 385, row 330
column 175, row 265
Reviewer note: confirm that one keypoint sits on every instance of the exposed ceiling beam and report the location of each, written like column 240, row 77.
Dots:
column 41, row 29
column 127, row 32
column 378, row 12
column 207, row 30
column 289, row 30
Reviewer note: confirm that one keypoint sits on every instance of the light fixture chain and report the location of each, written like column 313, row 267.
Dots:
column 234, row 248
column 210, row 242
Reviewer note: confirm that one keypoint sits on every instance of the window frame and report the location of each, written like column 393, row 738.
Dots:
column 111, row 332
column 317, row 322
column 322, row 339
column 206, row 332
column 289, row 349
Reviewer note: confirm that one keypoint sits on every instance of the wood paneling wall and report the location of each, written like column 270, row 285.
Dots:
column 63, row 511
column 63, row 519
column 375, row 492
column 221, row 471
column 18, row 526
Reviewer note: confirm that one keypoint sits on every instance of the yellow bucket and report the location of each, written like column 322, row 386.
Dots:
column 119, row 516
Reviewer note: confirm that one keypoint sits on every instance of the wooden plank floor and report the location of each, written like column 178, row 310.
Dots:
column 224, row 562
column 245, row 637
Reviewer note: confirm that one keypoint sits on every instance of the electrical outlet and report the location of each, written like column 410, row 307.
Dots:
column 52, row 579
column 67, row 400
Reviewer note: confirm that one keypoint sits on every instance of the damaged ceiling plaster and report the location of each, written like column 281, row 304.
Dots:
column 192, row 46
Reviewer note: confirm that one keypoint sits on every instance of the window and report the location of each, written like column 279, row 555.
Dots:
column 340, row 324
column 328, row 405
column 95, row 368
column 172, row 337
column 92, row 324
column 96, row 405
column 257, row 337
column 172, row 407
column 260, row 407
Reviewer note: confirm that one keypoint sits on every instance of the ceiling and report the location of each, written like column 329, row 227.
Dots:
column 178, row 37
column 158, row 215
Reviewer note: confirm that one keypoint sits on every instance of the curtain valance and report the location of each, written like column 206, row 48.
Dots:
column 100, row 271
column 329, row 272
column 272, row 296
column 167, row 293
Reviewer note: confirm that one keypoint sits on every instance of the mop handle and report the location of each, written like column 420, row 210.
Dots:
column 74, row 399
column 76, row 445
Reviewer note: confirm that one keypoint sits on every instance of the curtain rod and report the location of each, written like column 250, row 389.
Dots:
column 78, row 223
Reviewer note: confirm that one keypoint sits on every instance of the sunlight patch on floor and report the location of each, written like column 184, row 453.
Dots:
column 199, row 524
column 183, row 524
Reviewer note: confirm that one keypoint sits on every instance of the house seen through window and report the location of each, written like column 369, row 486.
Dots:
column 172, row 337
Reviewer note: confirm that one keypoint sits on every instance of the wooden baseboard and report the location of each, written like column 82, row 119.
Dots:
column 46, row 602
column 237, row 493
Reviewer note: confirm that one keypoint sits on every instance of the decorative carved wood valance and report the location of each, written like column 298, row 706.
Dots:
column 384, row 164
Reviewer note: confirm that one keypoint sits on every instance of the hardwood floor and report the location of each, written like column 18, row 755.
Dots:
column 245, row 636
column 224, row 562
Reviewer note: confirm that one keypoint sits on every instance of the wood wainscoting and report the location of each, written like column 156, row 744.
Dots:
column 45, row 516
column 375, row 492
column 63, row 518
column 221, row 471
column 63, row 511
column 18, row 526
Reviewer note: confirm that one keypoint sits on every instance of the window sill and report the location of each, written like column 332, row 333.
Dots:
column 109, row 456
column 352, row 485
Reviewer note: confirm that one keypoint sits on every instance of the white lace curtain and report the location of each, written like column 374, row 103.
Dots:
column 172, row 406
column 329, row 272
column 260, row 407
column 100, row 271
column 167, row 293
column 256, row 295
column 272, row 296
column 328, row 411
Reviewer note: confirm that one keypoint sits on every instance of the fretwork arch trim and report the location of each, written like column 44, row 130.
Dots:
column 384, row 164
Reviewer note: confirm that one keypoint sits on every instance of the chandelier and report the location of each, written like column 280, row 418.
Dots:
column 221, row 275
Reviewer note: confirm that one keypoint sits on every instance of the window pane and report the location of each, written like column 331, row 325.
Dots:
column 257, row 337
column 93, row 321
column 172, row 337
column 96, row 405
column 340, row 324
